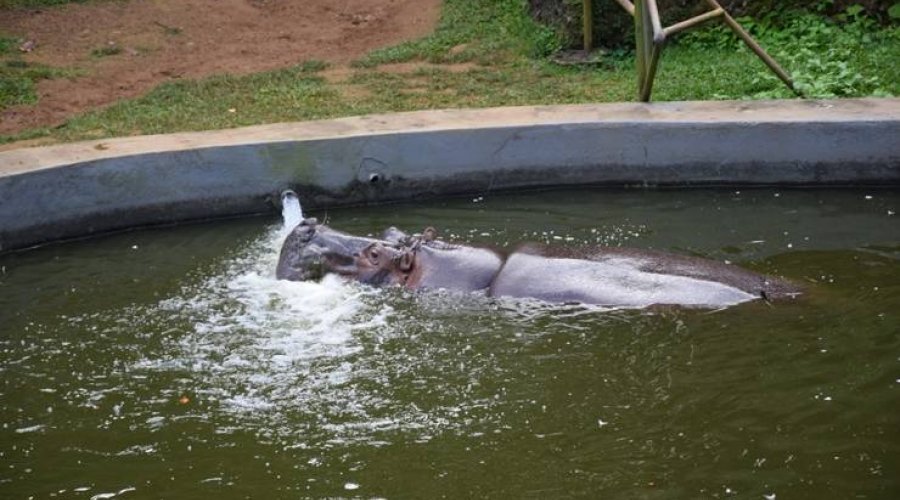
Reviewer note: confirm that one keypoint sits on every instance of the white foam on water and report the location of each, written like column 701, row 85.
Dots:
column 315, row 362
column 297, row 320
column 33, row 428
column 284, row 321
column 263, row 346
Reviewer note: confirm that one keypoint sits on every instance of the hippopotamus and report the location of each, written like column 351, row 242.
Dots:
column 605, row 276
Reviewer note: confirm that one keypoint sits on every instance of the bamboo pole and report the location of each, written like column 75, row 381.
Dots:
column 653, row 12
column 640, row 51
column 588, row 25
column 650, row 39
column 650, row 44
column 683, row 25
column 627, row 5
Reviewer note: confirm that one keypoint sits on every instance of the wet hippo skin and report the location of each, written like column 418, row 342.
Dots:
column 606, row 276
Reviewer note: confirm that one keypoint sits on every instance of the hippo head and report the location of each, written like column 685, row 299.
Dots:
column 313, row 250
column 379, row 264
column 395, row 260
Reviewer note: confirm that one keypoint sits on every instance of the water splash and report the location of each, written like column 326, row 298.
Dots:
column 271, row 322
column 317, row 364
column 272, row 349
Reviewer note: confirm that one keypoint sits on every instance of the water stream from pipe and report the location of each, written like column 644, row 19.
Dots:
column 291, row 211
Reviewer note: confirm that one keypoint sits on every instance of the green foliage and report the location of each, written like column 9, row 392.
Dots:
column 894, row 11
column 840, row 57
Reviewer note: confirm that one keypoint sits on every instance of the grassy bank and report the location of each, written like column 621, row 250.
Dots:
column 492, row 54
column 34, row 4
column 18, row 77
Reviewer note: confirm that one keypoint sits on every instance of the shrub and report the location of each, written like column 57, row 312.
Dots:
column 823, row 54
column 614, row 28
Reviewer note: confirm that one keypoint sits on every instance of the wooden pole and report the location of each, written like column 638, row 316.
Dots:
column 640, row 43
column 690, row 23
column 588, row 25
column 627, row 5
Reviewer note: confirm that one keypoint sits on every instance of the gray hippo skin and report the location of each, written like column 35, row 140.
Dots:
column 623, row 277
column 312, row 250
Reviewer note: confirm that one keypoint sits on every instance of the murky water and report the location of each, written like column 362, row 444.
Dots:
column 170, row 364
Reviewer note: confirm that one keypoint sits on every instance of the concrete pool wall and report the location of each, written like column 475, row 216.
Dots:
column 72, row 190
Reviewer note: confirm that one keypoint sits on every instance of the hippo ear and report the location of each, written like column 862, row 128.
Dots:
column 429, row 234
column 406, row 262
column 394, row 236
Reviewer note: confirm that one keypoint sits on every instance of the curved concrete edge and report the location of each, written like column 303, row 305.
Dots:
column 71, row 190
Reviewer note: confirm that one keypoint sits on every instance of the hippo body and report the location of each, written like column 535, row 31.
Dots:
column 462, row 268
column 616, row 282
column 621, row 277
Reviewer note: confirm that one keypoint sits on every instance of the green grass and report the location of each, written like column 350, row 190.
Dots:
column 17, row 80
column 168, row 30
column 8, row 45
column 18, row 77
column 109, row 50
column 506, row 64
column 30, row 4
column 485, row 31
column 843, row 57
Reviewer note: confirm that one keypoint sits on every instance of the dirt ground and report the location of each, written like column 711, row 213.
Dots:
column 158, row 40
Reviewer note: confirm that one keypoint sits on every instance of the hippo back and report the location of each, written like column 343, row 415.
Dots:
column 630, row 277
column 455, row 267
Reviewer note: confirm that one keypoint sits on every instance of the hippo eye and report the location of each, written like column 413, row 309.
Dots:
column 373, row 255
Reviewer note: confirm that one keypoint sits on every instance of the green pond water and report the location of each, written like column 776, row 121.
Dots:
column 169, row 363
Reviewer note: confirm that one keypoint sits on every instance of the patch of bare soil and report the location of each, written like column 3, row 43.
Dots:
column 341, row 76
column 413, row 67
column 152, row 41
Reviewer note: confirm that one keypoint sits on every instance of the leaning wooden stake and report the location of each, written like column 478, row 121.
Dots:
column 754, row 46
